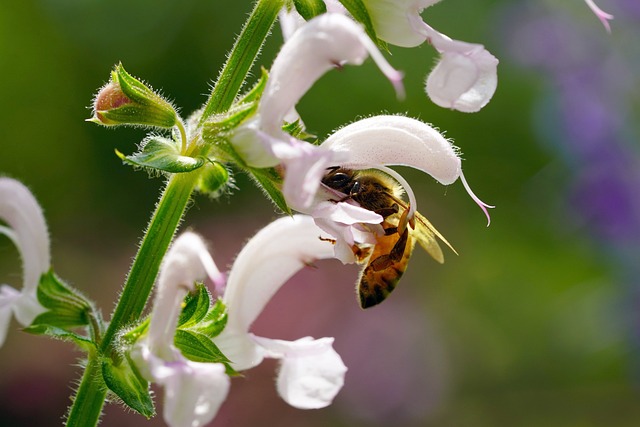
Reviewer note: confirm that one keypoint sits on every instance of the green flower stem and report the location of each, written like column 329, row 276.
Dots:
column 155, row 243
column 244, row 52
column 90, row 397
column 92, row 392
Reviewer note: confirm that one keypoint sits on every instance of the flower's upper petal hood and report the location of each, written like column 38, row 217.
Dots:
column 397, row 140
column 327, row 41
column 266, row 262
column 20, row 210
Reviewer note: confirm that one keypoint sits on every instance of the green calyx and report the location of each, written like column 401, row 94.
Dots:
column 126, row 100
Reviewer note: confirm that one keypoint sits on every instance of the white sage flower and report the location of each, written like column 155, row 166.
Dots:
column 193, row 391
column 465, row 77
column 325, row 42
column 376, row 143
column 311, row 372
column 27, row 228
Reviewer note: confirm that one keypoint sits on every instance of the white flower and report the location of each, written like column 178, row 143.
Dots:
column 325, row 42
column 603, row 16
column 311, row 372
column 193, row 392
column 378, row 142
column 27, row 229
column 464, row 79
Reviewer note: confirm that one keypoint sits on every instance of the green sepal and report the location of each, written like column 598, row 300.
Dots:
column 270, row 182
column 298, row 131
column 195, row 307
column 255, row 93
column 61, row 334
column 309, row 9
column 226, row 122
column 126, row 382
column 359, row 12
column 162, row 154
column 200, row 315
column 67, row 307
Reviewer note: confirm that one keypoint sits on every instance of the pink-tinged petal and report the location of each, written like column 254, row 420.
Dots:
column 603, row 16
column 193, row 393
column 344, row 223
column 397, row 140
column 325, row 42
column 22, row 213
column 253, row 280
column 311, row 372
column 463, row 81
column 305, row 165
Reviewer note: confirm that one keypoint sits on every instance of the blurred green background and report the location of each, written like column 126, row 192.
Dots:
column 534, row 324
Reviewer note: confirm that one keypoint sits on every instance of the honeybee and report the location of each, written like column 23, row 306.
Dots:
column 385, row 262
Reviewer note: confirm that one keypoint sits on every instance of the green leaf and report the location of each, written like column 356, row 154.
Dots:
column 269, row 181
column 128, row 384
column 310, row 8
column 359, row 11
column 297, row 130
column 164, row 155
column 198, row 347
column 66, row 306
column 215, row 320
column 60, row 334
column 255, row 93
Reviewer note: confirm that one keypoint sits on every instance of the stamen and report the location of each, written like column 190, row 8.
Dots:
column 476, row 199
column 407, row 189
column 603, row 16
column 394, row 76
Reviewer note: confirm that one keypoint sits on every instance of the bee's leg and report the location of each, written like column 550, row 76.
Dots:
column 397, row 252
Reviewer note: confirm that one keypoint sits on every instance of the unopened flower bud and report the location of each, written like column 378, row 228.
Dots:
column 125, row 100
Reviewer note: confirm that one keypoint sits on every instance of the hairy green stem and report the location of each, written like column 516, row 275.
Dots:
column 244, row 52
column 91, row 394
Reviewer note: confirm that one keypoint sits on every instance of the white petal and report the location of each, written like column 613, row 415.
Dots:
column 311, row 372
column 325, row 42
column 305, row 165
column 8, row 296
column 392, row 20
column 290, row 22
column 266, row 262
column 20, row 210
column 397, row 140
column 186, row 262
column 193, row 393
column 463, row 81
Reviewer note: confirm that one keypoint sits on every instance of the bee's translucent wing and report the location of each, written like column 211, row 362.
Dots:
column 425, row 234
